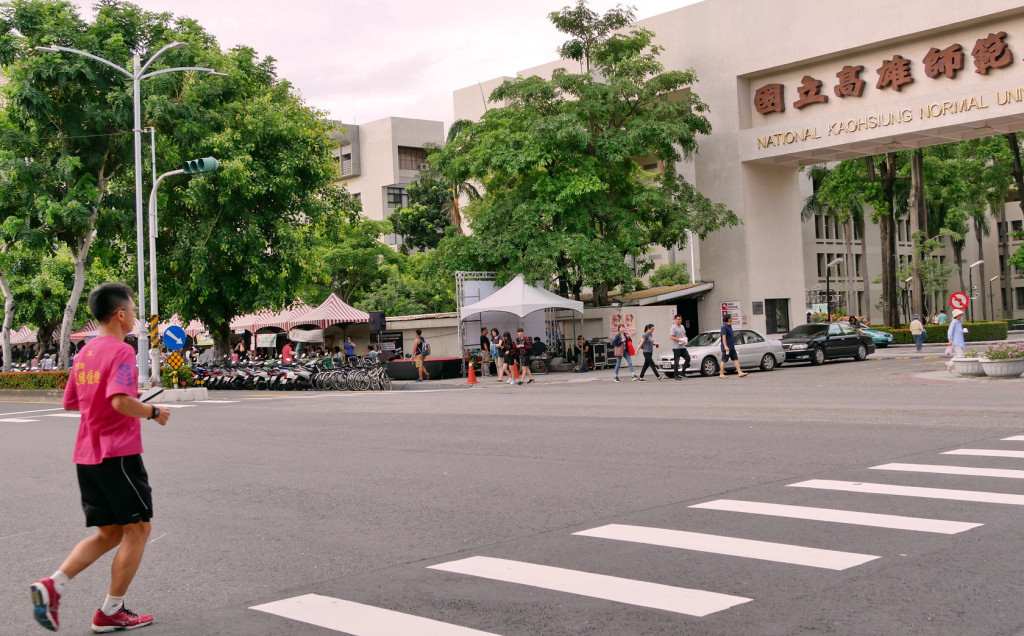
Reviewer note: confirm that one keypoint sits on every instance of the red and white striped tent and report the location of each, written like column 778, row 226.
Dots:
column 88, row 330
column 283, row 319
column 24, row 336
column 193, row 329
column 332, row 311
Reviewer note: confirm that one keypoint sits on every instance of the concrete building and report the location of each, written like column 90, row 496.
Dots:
column 792, row 83
column 380, row 159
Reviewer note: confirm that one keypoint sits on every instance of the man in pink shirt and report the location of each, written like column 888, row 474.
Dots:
column 108, row 453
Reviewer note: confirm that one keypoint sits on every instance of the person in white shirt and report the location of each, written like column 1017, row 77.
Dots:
column 677, row 334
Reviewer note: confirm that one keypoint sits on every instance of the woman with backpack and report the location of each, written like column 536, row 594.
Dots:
column 620, row 349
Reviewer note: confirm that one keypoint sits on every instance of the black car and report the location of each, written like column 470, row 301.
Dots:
column 818, row 341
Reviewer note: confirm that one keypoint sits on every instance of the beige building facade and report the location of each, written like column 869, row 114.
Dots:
column 378, row 160
column 793, row 83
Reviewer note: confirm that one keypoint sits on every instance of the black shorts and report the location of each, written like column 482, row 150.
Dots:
column 730, row 356
column 115, row 492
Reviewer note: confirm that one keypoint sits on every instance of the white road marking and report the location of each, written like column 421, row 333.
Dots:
column 217, row 401
column 984, row 452
column 176, row 405
column 35, row 411
column 63, row 415
column 896, row 522
column 358, row 619
column 16, row 420
column 609, row 588
column 717, row 544
column 1015, row 438
column 953, row 470
column 913, row 491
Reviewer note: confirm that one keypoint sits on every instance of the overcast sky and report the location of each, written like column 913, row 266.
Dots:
column 361, row 60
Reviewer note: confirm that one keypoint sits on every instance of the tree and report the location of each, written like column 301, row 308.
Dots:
column 246, row 236
column 414, row 285
column 423, row 222
column 79, row 112
column 566, row 195
column 670, row 274
column 350, row 258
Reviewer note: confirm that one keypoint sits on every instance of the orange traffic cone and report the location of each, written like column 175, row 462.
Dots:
column 515, row 372
column 472, row 374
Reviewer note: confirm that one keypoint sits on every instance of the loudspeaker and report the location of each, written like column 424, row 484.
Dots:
column 377, row 321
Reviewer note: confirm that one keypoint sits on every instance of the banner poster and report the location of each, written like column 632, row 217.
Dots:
column 629, row 320
column 266, row 340
column 204, row 339
column 306, row 335
column 389, row 341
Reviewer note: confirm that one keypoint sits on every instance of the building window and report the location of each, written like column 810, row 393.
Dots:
column 1018, row 226
column 1002, row 293
column 411, row 158
column 396, row 198
column 856, row 263
column 1020, row 298
column 776, row 315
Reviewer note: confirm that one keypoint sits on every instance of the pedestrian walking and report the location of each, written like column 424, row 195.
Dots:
column 509, row 354
column 955, row 338
column 497, row 354
column 917, row 330
column 419, row 350
column 647, row 345
column 115, row 492
column 583, row 352
column 485, row 352
column 523, row 348
column 677, row 334
column 728, row 343
column 620, row 349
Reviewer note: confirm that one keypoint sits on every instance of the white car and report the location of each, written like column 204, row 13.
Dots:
column 753, row 349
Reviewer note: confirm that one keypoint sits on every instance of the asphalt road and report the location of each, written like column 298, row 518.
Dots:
column 466, row 506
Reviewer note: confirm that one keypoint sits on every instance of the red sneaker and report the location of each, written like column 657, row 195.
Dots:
column 46, row 601
column 122, row 620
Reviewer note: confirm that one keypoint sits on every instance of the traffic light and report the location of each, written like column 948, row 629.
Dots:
column 195, row 166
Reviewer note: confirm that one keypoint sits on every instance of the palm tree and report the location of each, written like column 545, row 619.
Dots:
column 457, row 182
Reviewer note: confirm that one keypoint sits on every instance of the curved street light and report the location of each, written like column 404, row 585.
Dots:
column 137, row 76
column 828, row 288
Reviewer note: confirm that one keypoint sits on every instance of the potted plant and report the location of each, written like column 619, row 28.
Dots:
column 1004, row 360
column 970, row 364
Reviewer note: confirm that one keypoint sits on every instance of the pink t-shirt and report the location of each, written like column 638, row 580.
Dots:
column 103, row 369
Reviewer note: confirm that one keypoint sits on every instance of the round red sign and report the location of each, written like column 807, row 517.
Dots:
column 958, row 300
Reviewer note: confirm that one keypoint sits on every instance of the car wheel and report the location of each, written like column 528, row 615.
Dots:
column 818, row 356
column 709, row 366
column 862, row 352
column 768, row 362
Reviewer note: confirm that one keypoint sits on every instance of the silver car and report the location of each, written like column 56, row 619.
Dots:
column 753, row 349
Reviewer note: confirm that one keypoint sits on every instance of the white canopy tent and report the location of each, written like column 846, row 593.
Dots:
column 520, row 299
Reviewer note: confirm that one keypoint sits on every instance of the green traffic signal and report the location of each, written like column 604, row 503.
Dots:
column 195, row 166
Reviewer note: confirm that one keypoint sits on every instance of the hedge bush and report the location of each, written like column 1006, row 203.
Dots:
column 182, row 378
column 34, row 380
column 976, row 332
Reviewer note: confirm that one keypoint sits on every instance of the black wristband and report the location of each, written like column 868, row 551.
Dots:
column 156, row 413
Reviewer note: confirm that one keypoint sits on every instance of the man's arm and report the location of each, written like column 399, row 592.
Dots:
column 132, row 407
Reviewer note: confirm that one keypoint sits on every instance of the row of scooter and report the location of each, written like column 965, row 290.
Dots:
column 272, row 375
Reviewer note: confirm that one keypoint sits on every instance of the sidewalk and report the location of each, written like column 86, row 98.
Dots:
column 563, row 377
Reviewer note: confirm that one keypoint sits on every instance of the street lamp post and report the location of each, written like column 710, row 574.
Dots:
column 137, row 75
column 991, row 301
column 208, row 164
column 970, row 292
column 828, row 289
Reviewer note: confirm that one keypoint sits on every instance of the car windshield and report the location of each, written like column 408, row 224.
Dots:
column 706, row 339
column 816, row 329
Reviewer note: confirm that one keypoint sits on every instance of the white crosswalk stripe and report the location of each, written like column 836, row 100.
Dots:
column 984, row 452
column 732, row 546
column 611, row 588
column 953, row 470
column 913, row 491
column 16, row 420
column 358, row 619
column 1015, row 438
column 832, row 515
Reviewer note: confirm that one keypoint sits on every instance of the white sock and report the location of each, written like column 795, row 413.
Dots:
column 60, row 580
column 112, row 604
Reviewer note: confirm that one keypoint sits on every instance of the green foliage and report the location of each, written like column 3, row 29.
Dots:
column 414, row 285
column 670, row 274
column 34, row 380
column 566, row 196
column 348, row 258
column 422, row 224
column 181, row 379
column 1005, row 351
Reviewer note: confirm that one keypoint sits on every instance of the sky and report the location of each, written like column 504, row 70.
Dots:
column 363, row 60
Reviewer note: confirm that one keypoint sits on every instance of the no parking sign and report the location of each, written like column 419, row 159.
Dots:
column 959, row 300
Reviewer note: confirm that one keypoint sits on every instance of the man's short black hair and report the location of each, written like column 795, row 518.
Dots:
column 419, row 332
column 105, row 300
column 520, row 330
column 726, row 318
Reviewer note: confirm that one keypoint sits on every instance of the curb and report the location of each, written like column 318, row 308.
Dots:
column 195, row 394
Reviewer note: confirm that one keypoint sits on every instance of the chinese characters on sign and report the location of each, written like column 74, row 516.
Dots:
column 988, row 53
